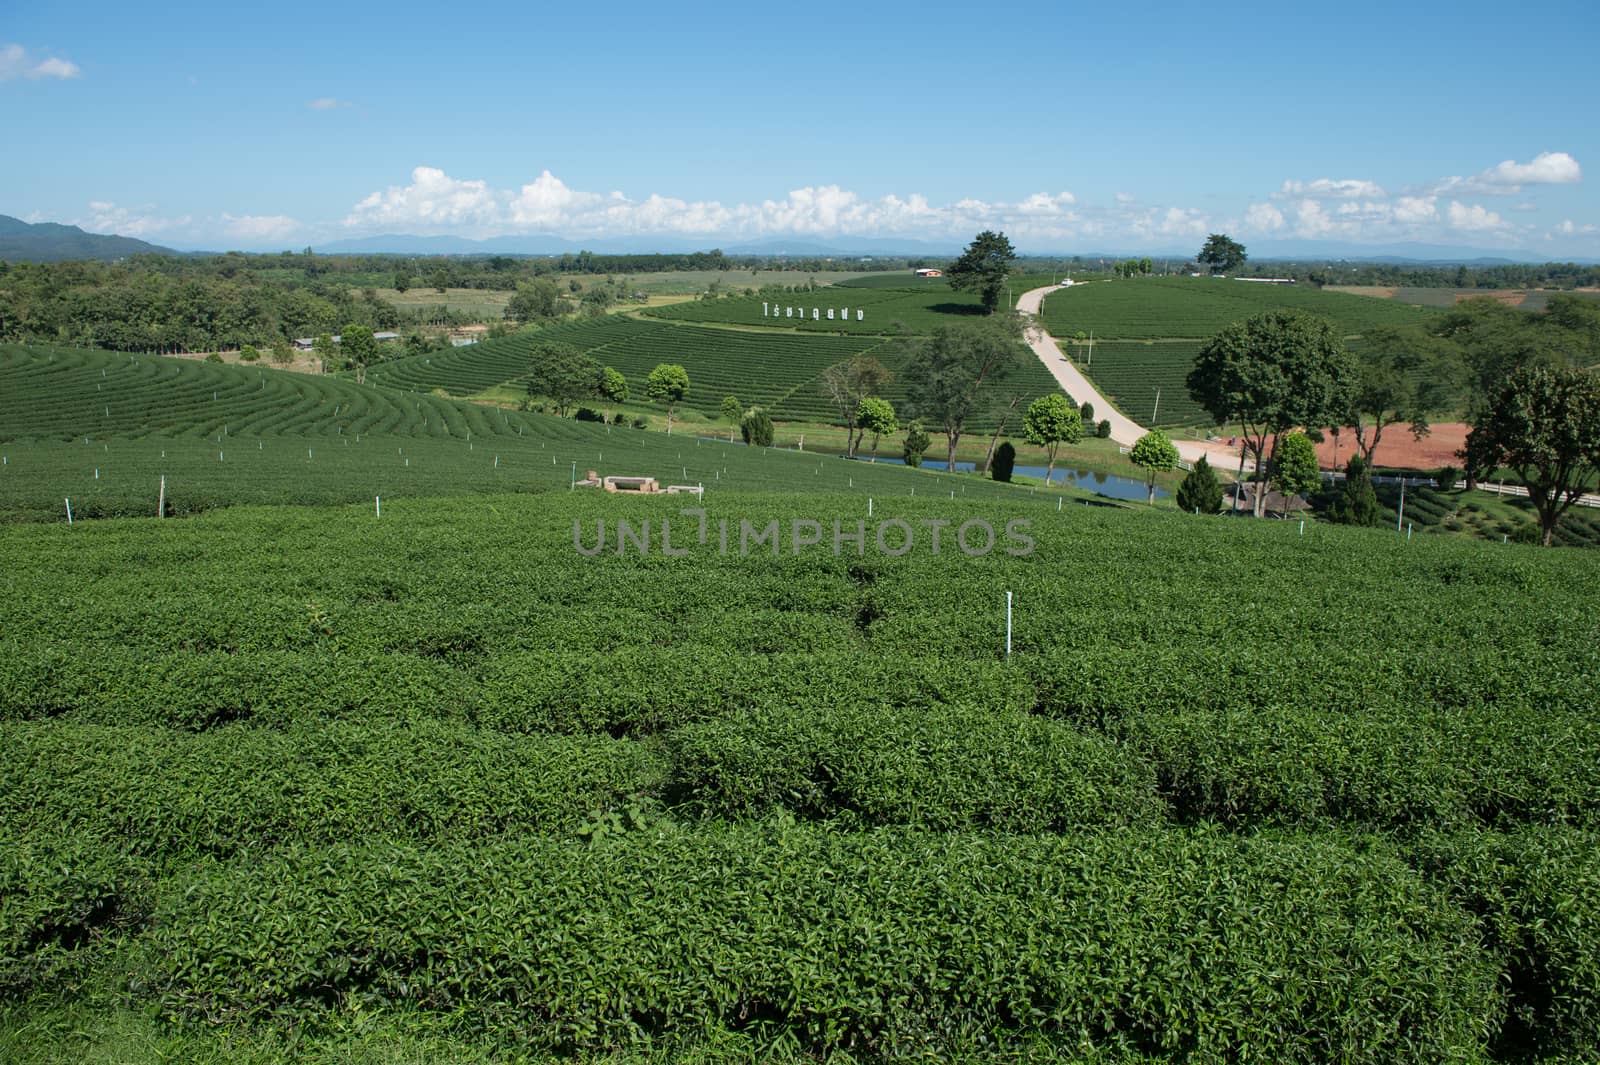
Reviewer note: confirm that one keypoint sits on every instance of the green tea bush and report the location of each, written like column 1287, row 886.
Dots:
column 942, row 767
column 880, row 944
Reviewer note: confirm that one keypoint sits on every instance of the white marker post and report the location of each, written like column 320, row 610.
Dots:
column 1008, row 624
column 869, row 506
column 161, row 500
column 69, row 510
column 377, row 506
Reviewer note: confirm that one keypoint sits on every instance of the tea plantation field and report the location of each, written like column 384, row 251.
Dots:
column 102, row 430
column 307, row 784
column 1197, row 308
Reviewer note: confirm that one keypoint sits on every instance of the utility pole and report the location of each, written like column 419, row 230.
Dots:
column 1156, row 408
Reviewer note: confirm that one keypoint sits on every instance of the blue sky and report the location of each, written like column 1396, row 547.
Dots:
column 1070, row 126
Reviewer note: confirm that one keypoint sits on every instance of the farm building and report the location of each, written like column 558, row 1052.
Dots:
column 306, row 343
column 928, row 271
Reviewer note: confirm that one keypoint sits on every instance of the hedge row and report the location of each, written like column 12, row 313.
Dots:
column 171, row 797
column 941, row 767
column 1195, row 946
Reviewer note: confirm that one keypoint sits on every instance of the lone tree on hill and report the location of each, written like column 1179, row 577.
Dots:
column 983, row 268
column 1200, row 492
column 667, row 384
column 947, row 371
column 1545, row 424
column 1154, row 454
column 1272, row 372
column 1049, row 422
column 1221, row 253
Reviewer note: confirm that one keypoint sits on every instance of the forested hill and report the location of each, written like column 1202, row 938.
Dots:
column 49, row 242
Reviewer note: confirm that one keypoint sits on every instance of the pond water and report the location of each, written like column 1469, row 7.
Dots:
column 1105, row 484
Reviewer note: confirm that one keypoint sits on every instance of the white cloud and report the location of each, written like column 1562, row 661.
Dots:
column 1124, row 197
column 1475, row 218
column 1173, row 222
column 1568, row 228
column 432, row 199
column 548, row 204
column 259, row 227
column 1508, row 177
column 1414, row 210
column 15, row 62
column 326, row 103
column 107, row 217
column 1263, row 218
column 1332, row 188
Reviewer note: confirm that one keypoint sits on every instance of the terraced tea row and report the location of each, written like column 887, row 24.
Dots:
column 779, row 371
column 1198, row 308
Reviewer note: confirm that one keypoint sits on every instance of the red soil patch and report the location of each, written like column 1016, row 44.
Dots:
column 1398, row 448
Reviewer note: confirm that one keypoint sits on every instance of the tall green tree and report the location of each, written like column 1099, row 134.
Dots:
column 947, row 371
column 1051, row 421
column 1153, row 453
column 564, row 375
column 1273, row 372
column 1200, row 492
column 1221, row 254
column 876, row 415
column 667, row 384
column 983, row 268
column 1545, row 425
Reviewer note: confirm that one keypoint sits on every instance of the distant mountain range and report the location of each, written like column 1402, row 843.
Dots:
column 48, row 242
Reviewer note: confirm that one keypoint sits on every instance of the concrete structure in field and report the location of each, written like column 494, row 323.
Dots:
column 638, row 485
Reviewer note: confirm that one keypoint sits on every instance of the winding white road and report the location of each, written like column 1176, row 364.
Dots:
column 1124, row 430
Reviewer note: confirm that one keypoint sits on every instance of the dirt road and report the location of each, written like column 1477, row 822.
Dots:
column 1124, row 430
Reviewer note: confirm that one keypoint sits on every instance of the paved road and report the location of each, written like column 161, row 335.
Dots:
column 1124, row 430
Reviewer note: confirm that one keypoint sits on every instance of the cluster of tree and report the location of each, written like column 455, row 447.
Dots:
column 128, row 308
column 1135, row 268
column 1527, row 381
column 566, row 377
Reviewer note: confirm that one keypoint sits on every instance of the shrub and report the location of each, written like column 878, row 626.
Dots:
column 1200, row 490
column 1103, row 430
column 756, row 428
column 641, row 422
column 1356, row 502
column 214, row 357
column 917, row 441
column 1447, row 477
column 1086, row 412
column 1005, row 460
column 588, row 414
